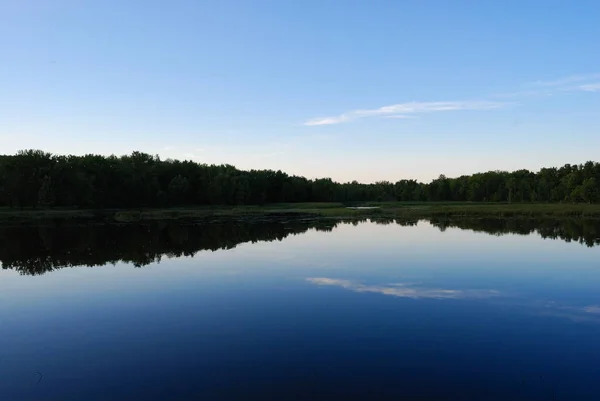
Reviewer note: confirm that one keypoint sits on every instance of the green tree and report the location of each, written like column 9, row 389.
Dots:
column 178, row 188
column 45, row 193
column 589, row 190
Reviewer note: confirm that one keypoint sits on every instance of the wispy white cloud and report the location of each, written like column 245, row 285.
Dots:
column 406, row 110
column 568, row 80
column 403, row 117
column 328, row 120
column 593, row 87
column 404, row 290
column 572, row 83
column 522, row 94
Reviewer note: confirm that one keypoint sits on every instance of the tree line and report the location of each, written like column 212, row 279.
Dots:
column 37, row 179
column 32, row 250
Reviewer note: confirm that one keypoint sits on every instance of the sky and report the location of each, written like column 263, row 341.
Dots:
column 352, row 90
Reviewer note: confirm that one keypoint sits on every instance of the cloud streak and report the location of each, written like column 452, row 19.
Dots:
column 404, row 290
column 568, row 80
column 523, row 94
column 593, row 87
column 572, row 83
column 406, row 110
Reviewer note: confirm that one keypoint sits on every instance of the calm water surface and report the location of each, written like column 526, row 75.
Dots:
column 302, row 311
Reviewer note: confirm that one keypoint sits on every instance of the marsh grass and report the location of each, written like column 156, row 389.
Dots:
column 300, row 210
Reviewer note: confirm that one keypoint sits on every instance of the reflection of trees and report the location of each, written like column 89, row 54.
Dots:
column 37, row 250
column 585, row 232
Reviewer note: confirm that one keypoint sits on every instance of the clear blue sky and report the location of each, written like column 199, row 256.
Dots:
column 366, row 90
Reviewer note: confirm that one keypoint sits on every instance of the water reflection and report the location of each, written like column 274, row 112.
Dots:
column 533, row 306
column 584, row 231
column 368, row 312
column 405, row 290
column 37, row 250
column 34, row 250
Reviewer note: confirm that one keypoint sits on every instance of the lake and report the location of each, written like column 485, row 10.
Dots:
column 485, row 309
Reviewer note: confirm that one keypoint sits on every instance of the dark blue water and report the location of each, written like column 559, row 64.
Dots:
column 365, row 312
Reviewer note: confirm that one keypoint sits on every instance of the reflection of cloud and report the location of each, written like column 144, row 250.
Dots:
column 574, row 313
column 405, row 290
column 592, row 309
column 579, row 314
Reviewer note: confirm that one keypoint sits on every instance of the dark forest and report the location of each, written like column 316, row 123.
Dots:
column 36, row 179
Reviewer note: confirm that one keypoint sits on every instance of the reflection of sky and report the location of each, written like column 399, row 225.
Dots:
column 438, row 302
column 457, row 259
column 554, row 277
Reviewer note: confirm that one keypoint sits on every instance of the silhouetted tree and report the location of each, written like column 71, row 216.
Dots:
column 33, row 178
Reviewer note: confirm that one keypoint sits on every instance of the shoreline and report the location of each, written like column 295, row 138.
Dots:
column 307, row 211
